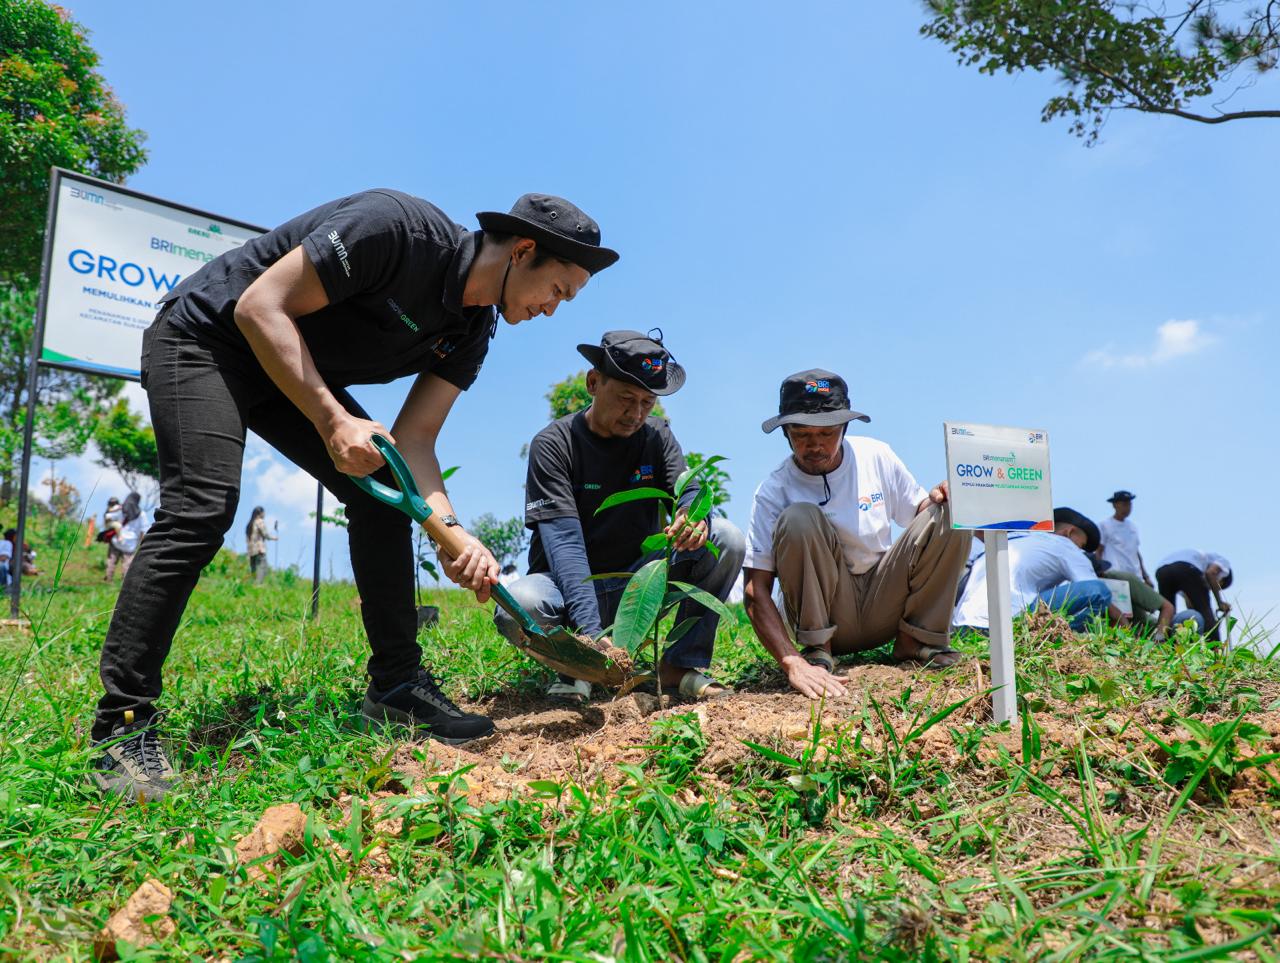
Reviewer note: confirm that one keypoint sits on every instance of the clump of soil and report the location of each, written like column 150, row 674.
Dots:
column 280, row 828
column 128, row 924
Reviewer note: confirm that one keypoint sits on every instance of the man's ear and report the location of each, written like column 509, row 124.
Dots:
column 522, row 249
column 593, row 382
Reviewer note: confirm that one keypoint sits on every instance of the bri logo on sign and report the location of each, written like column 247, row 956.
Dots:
column 643, row 473
column 819, row 387
column 868, row 502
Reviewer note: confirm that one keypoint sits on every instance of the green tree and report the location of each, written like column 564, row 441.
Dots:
column 128, row 445
column 506, row 539
column 1118, row 55
column 711, row 476
column 55, row 109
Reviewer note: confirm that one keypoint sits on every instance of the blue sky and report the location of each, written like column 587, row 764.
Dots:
column 790, row 186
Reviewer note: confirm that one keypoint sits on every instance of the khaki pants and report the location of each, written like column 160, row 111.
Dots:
column 911, row 589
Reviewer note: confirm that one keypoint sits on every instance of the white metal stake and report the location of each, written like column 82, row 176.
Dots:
column 1000, row 615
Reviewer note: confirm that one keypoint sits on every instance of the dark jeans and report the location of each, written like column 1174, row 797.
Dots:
column 258, row 566
column 541, row 597
column 1190, row 581
column 202, row 401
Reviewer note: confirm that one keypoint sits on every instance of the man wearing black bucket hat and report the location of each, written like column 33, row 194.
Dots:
column 820, row 525
column 362, row 290
column 1049, row 569
column 1120, row 542
column 578, row 461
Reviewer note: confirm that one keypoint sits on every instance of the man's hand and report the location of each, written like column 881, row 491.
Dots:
column 475, row 569
column 350, row 447
column 811, row 680
column 686, row 537
column 1224, row 607
column 938, row 495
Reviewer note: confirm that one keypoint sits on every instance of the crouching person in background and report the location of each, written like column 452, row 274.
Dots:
column 578, row 461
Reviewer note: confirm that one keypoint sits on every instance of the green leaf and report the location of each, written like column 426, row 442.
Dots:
column 772, row 754
column 448, row 472
column 657, row 542
column 639, row 606
column 704, row 598
column 689, row 474
column 631, row 495
column 703, row 502
column 678, row 632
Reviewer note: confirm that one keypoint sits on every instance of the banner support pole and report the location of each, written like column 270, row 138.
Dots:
column 1004, row 699
column 315, row 566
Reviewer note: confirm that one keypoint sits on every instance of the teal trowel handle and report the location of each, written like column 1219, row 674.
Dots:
column 406, row 498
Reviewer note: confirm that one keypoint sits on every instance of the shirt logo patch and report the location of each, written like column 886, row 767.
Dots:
column 340, row 249
column 396, row 310
column 443, row 347
column 590, row 487
column 643, row 473
column 538, row 504
column 868, row 502
column 819, row 387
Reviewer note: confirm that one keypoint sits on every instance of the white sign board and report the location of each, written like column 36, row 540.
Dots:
column 998, row 477
column 1121, row 594
column 110, row 256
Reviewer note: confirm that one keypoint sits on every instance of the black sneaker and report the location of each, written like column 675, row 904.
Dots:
column 421, row 705
column 133, row 764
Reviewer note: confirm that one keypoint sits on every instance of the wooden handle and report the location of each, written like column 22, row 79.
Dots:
column 448, row 537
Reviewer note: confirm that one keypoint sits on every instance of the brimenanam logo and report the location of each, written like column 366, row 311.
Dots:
column 867, row 502
column 819, row 387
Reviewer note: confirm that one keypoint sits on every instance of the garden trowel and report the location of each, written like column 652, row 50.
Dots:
column 556, row 648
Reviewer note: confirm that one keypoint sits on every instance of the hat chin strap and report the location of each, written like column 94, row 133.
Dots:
column 502, row 293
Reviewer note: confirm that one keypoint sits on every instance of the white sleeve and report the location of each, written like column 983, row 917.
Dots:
column 1077, row 563
column 906, row 493
column 765, row 509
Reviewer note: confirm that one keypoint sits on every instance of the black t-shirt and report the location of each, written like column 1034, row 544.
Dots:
column 394, row 268
column 572, row 471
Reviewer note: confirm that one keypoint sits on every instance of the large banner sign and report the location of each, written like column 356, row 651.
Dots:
column 998, row 477
column 111, row 255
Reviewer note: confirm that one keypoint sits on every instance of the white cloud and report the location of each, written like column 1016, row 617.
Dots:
column 287, row 488
column 1174, row 339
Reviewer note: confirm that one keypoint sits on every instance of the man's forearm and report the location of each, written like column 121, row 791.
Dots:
column 420, row 453
column 280, row 349
column 766, row 620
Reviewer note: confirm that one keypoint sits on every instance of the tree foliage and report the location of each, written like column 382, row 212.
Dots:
column 55, row 109
column 1113, row 55
column 128, row 445
column 711, row 476
column 505, row 539
column 570, row 396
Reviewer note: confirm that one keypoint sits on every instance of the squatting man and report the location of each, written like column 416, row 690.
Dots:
column 820, row 527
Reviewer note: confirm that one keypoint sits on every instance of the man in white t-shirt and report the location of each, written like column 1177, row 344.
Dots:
column 820, row 525
column 6, row 558
column 1120, row 538
column 1195, row 574
column 1049, row 568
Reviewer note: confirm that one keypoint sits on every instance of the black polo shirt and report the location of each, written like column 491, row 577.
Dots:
column 572, row 471
column 394, row 268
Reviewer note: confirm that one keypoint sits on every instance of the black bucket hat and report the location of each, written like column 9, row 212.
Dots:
column 639, row 358
column 815, row 397
column 557, row 225
column 1122, row 496
column 1072, row 517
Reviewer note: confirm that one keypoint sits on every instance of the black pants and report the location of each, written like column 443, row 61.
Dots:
column 202, row 400
column 1190, row 581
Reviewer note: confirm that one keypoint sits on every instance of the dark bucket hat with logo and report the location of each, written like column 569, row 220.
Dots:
column 1069, row 516
column 1122, row 496
column 557, row 225
column 815, row 397
column 641, row 359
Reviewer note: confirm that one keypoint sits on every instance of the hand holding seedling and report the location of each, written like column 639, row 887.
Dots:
column 686, row 537
column 474, row 568
column 350, row 444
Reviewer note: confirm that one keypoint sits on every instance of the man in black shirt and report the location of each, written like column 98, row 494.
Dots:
column 267, row 337
column 578, row 461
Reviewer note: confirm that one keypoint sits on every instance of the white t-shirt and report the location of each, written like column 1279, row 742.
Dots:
column 1037, row 561
column 870, row 488
column 127, row 539
column 1201, row 560
column 6, row 549
column 1120, row 545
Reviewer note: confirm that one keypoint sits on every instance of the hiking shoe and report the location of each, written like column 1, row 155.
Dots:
column 133, row 764
column 420, row 705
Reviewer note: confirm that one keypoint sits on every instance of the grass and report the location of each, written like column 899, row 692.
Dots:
column 1131, row 815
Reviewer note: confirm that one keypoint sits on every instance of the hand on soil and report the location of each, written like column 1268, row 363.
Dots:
column 812, row 680
column 350, row 446
column 475, row 569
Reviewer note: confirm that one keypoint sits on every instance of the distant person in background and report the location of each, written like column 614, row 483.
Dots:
column 28, row 555
column 134, row 524
column 1045, row 569
column 112, row 522
column 6, row 559
column 1120, row 538
column 1149, row 605
column 256, row 538
column 1195, row 574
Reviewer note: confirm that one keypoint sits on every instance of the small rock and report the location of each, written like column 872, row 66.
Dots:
column 152, row 898
column 281, row 827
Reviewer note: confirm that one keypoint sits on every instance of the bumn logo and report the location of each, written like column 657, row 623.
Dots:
column 340, row 249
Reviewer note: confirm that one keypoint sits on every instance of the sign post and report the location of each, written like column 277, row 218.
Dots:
column 999, row 482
